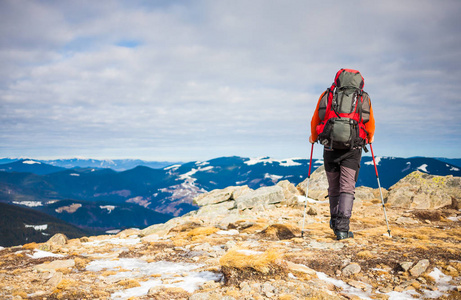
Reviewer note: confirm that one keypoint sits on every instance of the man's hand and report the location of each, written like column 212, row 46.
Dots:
column 310, row 140
column 371, row 140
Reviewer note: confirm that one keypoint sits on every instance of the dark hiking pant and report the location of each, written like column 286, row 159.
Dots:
column 342, row 169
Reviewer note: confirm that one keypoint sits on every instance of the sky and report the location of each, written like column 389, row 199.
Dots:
column 194, row 80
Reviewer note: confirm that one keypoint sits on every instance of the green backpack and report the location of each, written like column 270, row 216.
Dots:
column 344, row 109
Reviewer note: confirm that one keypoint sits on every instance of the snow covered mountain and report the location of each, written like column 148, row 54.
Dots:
column 114, row 164
column 106, row 199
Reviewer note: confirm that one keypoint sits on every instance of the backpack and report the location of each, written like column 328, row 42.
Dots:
column 343, row 110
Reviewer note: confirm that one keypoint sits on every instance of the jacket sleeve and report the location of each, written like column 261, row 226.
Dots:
column 370, row 125
column 316, row 120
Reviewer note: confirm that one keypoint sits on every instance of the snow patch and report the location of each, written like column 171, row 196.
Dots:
column 189, row 174
column 114, row 241
column 137, row 268
column 442, row 280
column 74, row 174
column 69, row 209
column 37, row 227
column 40, row 254
column 303, row 199
column 113, row 231
column 423, row 168
column 288, row 162
column 31, row 162
column 407, row 167
column 172, row 168
column 344, row 286
column 249, row 252
column 109, row 208
column 228, row 232
column 377, row 160
column 272, row 177
column 452, row 168
column 29, row 203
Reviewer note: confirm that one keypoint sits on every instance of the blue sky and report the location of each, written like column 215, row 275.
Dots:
column 194, row 80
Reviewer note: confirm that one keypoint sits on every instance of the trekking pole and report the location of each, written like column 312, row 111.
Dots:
column 307, row 190
column 380, row 192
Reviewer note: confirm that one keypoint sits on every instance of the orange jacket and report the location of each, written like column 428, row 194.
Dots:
column 369, row 126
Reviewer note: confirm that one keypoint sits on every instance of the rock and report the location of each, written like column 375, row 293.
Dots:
column 261, row 198
column 351, row 269
column 298, row 269
column 281, row 231
column 216, row 210
column 58, row 239
column 359, row 285
column 406, row 221
column 312, row 211
column 406, row 265
column 200, row 296
column 419, row 268
column 423, row 191
column 290, row 192
column 318, row 184
column 363, row 193
column 55, row 265
column 219, row 196
column 268, row 290
column 55, row 279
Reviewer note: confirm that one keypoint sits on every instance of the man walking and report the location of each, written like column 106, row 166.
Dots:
column 343, row 122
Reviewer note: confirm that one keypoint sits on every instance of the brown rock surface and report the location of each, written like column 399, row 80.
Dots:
column 258, row 255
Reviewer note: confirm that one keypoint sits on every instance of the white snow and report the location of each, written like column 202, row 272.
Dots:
column 113, row 231
column 288, row 162
column 454, row 219
column 319, row 162
column 249, row 252
column 442, row 283
column 344, row 286
column 1, row 248
column 114, row 241
column 189, row 174
column 202, row 163
column 37, row 227
column 423, row 168
column 168, row 271
column 40, row 254
column 377, row 160
column 407, row 167
column 31, row 162
column 29, row 203
column 273, row 177
column 228, row 232
column 452, row 168
column 172, row 168
column 109, row 208
column 302, row 199
column 75, row 174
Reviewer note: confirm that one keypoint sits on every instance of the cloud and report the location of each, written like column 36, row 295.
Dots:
column 178, row 80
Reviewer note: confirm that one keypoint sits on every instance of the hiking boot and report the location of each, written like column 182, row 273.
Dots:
column 341, row 235
column 332, row 226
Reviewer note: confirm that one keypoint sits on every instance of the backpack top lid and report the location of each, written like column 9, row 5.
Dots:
column 349, row 78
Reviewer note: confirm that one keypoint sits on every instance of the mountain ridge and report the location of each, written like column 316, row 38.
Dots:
column 169, row 192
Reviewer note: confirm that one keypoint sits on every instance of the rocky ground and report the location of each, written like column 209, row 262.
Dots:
column 245, row 244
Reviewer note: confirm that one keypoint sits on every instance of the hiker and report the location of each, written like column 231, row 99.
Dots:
column 343, row 122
